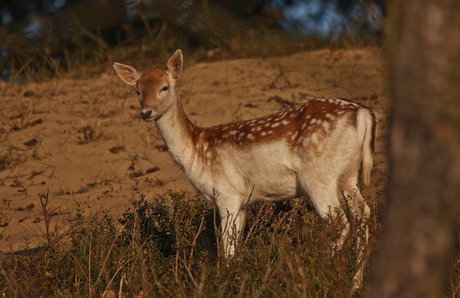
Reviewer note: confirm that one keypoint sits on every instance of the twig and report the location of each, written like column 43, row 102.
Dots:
column 108, row 254
column 200, row 230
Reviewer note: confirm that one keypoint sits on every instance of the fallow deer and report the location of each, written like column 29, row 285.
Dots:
column 314, row 149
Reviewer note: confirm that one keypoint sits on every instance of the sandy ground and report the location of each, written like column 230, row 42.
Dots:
column 83, row 141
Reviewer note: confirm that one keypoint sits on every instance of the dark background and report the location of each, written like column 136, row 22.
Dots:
column 51, row 32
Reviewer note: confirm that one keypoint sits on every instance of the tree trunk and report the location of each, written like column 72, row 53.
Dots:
column 422, row 209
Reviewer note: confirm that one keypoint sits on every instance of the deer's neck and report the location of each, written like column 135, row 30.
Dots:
column 179, row 134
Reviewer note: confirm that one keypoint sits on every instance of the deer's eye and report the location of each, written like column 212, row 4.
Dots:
column 165, row 88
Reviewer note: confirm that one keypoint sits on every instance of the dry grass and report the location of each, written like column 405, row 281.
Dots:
column 168, row 248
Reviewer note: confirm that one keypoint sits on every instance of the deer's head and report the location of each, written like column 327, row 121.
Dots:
column 155, row 88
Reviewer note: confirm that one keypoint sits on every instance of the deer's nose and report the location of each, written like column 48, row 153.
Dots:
column 145, row 114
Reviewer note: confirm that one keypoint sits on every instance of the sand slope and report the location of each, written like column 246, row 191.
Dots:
column 83, row 140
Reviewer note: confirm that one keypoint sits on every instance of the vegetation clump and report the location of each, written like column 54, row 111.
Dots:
column 170, row 246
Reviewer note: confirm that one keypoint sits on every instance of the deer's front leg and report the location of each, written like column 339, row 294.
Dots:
column 231, row 225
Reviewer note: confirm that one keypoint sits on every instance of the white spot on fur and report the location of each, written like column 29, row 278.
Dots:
column 263, row 133
column 314, row 138
column 225, row 135
column 320, row 147
column 276, row 124
column 326, row 126
column 285, row 122
column 208, row 154
column 305, row 142
column 232, row 133
column 313, row 121
column 270, row 131
column 259, row 128
column 319, row 121
column 250, row 136
column 205, row 146
column 267, row 124
column 294, row 136
column 303, row 126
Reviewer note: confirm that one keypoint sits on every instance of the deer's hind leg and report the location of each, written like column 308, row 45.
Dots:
column 322, row 191
column 360, row 214
column 359, row 210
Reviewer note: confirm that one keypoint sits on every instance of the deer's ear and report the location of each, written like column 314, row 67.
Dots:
column 127, row 73
column 175, row 64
